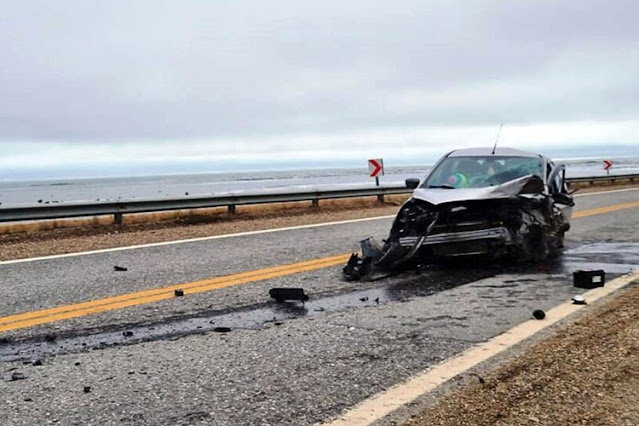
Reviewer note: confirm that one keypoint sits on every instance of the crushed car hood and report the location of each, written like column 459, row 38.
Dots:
column 508, row 189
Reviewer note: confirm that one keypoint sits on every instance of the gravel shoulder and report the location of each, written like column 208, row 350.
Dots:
column 587, row 373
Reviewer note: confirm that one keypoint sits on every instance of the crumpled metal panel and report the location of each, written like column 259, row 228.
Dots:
column 438, row 196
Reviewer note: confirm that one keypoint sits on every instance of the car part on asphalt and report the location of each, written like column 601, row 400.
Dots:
column 589, row 279
column 179, row 292
column 539, row 314
column 510, row 205
column 120, row 268
column 17, row 376
column 579, row 300
column 283, row 294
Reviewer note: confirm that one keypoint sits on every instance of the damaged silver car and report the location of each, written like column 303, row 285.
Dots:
column 498, row 204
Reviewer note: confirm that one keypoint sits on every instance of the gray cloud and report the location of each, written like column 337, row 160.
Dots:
column 262, row 75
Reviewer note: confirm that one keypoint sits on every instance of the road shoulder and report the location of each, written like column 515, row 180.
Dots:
column 585, row 371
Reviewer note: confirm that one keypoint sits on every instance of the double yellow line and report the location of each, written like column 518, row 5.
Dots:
column 30, row 319
column 607, row 209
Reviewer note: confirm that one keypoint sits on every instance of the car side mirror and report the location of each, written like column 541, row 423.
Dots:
column 412, row 183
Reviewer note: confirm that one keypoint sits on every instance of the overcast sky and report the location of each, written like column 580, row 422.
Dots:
column 255, row 84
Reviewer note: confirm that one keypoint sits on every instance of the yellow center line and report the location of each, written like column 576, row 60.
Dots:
column 607, row 209
column 30, row 319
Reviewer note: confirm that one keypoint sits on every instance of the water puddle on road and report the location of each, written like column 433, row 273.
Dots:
column 614, row 258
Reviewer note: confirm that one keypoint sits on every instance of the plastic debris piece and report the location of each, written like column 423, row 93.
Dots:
column 539, row 314
column 17, row 376
column 579, row 300
column 283, row 294
column 355, row 268
column 179, row 292
column 589, row 279
column 120, row 268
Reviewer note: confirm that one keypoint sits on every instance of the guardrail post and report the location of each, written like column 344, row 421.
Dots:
column 231, row 208
column 380, row 198
column 315, row 202
column 117, row 218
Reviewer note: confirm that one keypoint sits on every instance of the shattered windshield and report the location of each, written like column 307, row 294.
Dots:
column 480, row 172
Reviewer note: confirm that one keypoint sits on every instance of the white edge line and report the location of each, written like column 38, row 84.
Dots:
column 386, row 402
column 240, row 234
column 193, row 240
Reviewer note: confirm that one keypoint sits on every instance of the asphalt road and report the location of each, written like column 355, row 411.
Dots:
column 162, row 363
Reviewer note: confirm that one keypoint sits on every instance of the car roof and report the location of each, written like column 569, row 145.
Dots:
column 501, row 151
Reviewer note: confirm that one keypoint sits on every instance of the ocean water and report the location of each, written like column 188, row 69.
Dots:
column 35, row 192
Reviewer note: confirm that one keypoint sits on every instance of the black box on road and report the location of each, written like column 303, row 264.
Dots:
column 589, row 279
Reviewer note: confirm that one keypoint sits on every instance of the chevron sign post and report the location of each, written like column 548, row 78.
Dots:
column 376, row 168
column 607, row 165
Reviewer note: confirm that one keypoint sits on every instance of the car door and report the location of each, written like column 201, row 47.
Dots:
column 558, row 190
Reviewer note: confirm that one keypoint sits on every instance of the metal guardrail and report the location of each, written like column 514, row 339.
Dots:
column 611, row 178
column 119, row 208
